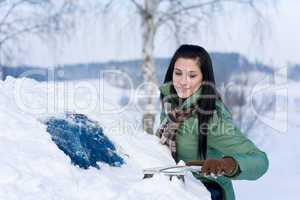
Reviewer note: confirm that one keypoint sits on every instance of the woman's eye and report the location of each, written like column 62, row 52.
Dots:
column 193, row 76
column 178, row 73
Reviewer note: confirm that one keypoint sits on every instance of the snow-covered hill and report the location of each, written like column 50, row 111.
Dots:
column 32, row 167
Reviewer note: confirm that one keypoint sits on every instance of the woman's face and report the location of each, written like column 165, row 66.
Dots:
column 187, row 77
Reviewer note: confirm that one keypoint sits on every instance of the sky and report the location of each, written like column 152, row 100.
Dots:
column 117, row 38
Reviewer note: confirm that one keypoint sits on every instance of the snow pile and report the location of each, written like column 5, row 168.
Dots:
column 32, row 167
column 160, row 187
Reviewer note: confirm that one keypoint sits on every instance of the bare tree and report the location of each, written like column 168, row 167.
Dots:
column 179, row 16
column 20, row 18
column 1, row 73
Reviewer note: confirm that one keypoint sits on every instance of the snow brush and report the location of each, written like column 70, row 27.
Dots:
column 178, row 171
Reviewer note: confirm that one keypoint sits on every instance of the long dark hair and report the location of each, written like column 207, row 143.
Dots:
column 206, row 104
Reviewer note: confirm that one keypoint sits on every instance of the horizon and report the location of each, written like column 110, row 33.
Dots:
column 132, row 60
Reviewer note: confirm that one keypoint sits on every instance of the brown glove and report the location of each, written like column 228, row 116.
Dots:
column 222, row 166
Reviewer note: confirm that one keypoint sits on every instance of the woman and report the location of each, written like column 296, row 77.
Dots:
column 198, row 127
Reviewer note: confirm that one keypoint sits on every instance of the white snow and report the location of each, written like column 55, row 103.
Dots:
column 282, row 179
column 32, row 167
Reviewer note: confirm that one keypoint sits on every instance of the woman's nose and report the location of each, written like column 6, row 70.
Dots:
column 183, row 80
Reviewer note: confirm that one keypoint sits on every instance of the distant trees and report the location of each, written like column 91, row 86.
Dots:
column 21, row 18
column 245, row 107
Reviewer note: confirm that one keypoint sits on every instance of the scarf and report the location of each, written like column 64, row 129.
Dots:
column 167, row 131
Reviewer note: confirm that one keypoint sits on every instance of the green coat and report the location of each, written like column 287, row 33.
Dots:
column 223, row 139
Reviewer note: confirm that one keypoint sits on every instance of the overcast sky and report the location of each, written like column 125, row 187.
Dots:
column 96, row 40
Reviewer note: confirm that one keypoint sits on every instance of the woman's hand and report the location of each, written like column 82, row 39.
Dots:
column 217, row 167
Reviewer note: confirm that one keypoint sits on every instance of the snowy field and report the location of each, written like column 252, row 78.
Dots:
column 282, row 179
column 32, row 167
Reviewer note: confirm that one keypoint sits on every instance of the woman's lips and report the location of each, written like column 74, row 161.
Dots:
column 184, row 89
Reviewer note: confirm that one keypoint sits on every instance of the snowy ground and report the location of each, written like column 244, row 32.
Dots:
column 282, row 179
column 32, row 167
